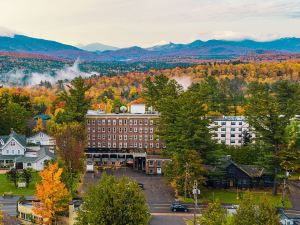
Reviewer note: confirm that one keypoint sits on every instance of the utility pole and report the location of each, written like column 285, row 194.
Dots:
column 196, row 192
column 186, row 179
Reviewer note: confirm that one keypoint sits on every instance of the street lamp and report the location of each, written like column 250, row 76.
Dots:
column 196, row 192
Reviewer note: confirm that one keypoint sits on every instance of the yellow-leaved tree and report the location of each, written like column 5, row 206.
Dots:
column 1, row 218
column 52, row 194
column 39, row 126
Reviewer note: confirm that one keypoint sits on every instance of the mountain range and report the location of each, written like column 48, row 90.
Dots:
column 99, row 52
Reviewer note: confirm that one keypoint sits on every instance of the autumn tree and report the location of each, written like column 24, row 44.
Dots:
column 114, row 202
column 39, row 126
column 13, row 176
column 1, row 218
column 52, row 194
column 214, row 214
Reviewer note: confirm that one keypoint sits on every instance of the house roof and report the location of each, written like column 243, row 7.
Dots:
column 42, row 153
column 291, row 214
column 250, row 170
column 18, row 137
column 42, row 116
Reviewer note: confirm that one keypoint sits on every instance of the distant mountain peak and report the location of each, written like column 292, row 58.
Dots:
column 93, row 47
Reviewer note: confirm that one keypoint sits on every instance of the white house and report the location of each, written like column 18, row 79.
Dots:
column 41, row 138
column 15, row 153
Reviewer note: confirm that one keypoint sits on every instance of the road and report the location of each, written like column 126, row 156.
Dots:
column 158, row 193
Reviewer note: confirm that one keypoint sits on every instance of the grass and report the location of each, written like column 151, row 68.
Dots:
column 230, row 197
column 7, row 186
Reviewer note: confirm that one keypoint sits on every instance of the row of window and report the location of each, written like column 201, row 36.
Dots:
column 123, row 137
column 231, row 135
column 222, row 123
column 231, row 129
column 121, row 130
column 232, row 141
column 120, row 121
column 12, row 152
column 123, row 145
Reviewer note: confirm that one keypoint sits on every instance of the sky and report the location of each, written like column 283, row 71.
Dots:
column 124, row 23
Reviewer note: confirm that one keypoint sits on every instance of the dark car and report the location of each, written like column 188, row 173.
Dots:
column 141, row 186
column 178, row 207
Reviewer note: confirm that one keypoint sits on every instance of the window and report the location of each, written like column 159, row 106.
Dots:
column 158, row 163
column 125, row 129
column 146, row 121
column 130, row 137
column 223, row 123
column 232, row 123
column 140, row 145
column 125, row 145
column 114, row 122
column 240, row 135
column 12, row 143
column 99, row 136
column 141, row 130
column 114, row 145
column 146, row 137
column 141, row 122
column 114, row 130
column 146, row 146
column 223, row 135
column 135, row 144
column 130, row 122
column 240, row 129
column 103, row 122
column 151, row 137
column 94, row 130
column 223, row 129
column 103, row 129
column 240, row 123
column 19, row 152
column 125, row 122
column 108, row 129
column 120, row 137
column 120, row 130
column 99, row 144
column 151, row 130
column 146, row 130
column 108, row 122
column 130, row 129
column 93, row 122
column 140, row 137
column 28, row 164
column 135, row 130
column 125, row 137
column 151, row 162
column 120, row 145
column 135, row 122
column 151, row 145
column 109, row 137
column 109, row 145
column 151, row 122
column 114, row 137
column 232, row 141
column 232, row 135
column 135, row 137
column 88, row 122
column 120, row 122
column 157, row 145
column 13, row 152
column 232, row 129
column 99, row 129
column 103, row 136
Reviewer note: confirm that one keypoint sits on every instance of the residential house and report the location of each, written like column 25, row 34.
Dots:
column 229, row 174
column 14, row 152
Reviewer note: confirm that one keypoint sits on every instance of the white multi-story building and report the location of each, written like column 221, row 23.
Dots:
column 230, row 130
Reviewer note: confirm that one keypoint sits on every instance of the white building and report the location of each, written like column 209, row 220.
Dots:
column 41, row 138
column 14, row 152
column 231, row 130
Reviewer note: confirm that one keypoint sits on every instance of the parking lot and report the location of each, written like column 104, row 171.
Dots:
column 158, row 193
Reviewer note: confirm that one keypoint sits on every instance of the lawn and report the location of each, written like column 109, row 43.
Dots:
column 230, row 197
column 7, row 186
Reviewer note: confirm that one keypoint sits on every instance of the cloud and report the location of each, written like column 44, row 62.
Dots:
column 19, row 78
column 237, row 36
column 5, row 32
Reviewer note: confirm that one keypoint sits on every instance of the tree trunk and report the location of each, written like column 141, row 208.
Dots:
column 275, row 186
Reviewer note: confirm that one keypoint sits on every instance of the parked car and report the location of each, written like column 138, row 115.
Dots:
column 178, row 207
column 141, row 186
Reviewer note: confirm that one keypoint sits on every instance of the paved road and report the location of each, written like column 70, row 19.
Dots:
column 8, row 205
column 159, row 195
column 294, row 188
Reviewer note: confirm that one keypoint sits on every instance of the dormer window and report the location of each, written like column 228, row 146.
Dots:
column 12, row 143
column 1, row 142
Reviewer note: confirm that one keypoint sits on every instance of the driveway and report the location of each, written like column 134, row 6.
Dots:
column 294, row 188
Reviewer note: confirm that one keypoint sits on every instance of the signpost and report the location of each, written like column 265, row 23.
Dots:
column 196, row 192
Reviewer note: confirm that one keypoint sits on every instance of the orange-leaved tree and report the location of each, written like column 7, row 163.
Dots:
column 39, row 126
column 52, row 194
